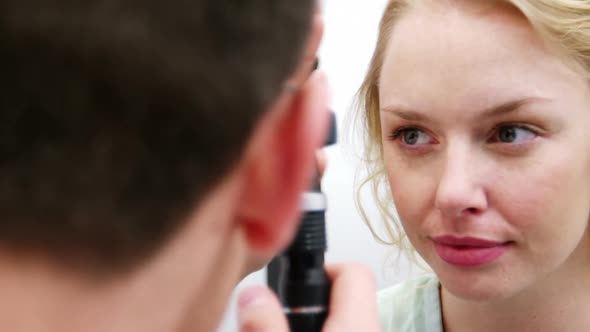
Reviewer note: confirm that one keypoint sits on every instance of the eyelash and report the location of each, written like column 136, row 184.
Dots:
column 513, row 125
column 397, row 133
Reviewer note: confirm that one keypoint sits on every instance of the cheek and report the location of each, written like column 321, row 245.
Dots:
column 412, row 190
column 545, row 201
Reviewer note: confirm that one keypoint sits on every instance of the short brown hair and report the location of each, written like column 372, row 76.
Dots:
column 117, row 117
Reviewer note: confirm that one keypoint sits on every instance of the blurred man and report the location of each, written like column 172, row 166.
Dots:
column 149, row 149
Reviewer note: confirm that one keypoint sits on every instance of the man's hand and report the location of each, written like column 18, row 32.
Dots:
column 353, row 304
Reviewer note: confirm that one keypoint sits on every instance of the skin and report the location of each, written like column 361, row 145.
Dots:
column 258, row 261
column 520, row 176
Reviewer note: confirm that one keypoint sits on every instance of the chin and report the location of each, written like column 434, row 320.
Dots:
column 477, row 286
column 479, row 293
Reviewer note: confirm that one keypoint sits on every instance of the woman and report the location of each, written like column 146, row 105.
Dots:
column 477, row 117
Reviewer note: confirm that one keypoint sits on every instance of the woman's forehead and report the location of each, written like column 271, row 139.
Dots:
column 427, row 36
column 437, row 57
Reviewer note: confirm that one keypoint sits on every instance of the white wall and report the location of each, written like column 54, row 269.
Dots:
column 350, row 36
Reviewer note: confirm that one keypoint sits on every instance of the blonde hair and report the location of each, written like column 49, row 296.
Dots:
column 563, row 24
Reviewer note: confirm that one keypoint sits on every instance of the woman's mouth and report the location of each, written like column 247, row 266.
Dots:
column 468, row 251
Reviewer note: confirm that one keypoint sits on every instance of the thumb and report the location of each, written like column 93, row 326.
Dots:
column 260, row 311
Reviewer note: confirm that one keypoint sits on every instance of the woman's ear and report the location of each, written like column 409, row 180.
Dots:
column 279, row 166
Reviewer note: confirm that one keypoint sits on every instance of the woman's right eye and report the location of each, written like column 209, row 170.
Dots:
column 411, row 136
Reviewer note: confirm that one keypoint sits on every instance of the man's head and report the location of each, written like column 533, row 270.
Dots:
column 151, row 147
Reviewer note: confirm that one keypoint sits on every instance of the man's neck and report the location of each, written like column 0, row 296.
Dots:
column 186, row 285
column 38, row 299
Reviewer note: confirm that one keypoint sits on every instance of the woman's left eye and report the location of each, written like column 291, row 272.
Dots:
column 513, row 134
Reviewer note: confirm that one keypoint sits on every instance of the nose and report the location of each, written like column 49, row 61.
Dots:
column 459, row 191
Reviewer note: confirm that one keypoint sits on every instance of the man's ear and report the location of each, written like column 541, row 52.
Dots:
column 279, row 166
column 279, row 162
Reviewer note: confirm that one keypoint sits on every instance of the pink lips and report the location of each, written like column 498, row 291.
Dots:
column 468, row 251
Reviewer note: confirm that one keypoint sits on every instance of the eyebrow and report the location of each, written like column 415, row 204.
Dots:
column 494, row 111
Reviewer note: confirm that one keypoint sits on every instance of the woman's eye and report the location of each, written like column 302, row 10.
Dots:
column 412, row 136
column 513, row 134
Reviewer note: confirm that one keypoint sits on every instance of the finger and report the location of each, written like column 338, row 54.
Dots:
column 260, row 311
column 353, row 303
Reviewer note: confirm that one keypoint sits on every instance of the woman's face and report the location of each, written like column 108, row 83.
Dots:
column 486, row 142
